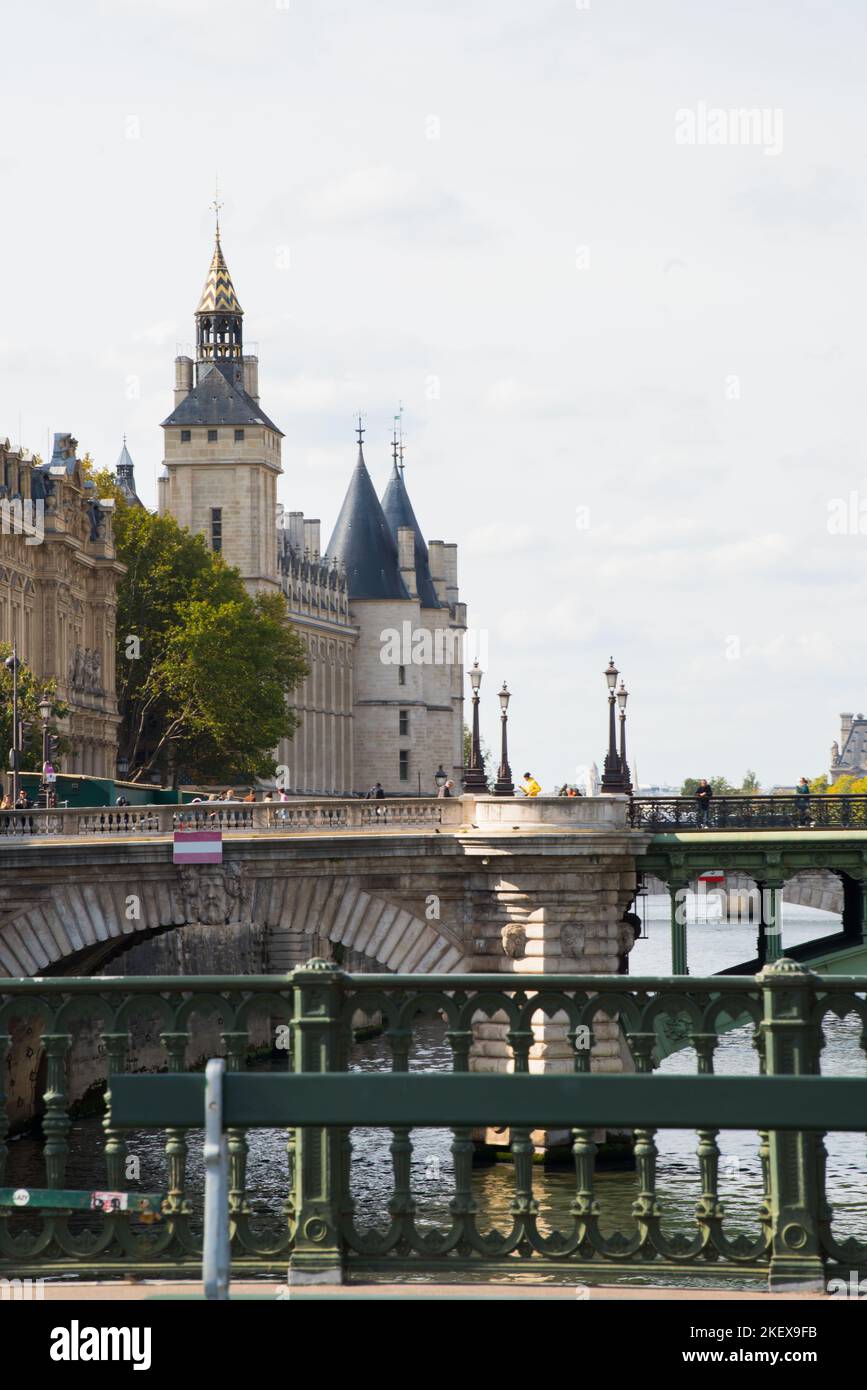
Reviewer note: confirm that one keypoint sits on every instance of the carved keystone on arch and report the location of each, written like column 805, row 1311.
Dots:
column 214, row 893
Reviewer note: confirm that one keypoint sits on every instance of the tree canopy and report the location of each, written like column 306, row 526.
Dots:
column 30, row 691
column 203, row 667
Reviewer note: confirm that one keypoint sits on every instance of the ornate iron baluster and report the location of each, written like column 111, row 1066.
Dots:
column 645, row 1208
column 236, row 1049
column 176, row 1139
column 585, row 1207
column 55, row 1123
column 462, row 1206
column 524, row 1206
column 709, row 1211
column 401, row 1206
column 115, row 1148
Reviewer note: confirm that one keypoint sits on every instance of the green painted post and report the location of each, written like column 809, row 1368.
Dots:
column 318, row 1253
column 678, row 927
column 772, row 893
column 797, row 1201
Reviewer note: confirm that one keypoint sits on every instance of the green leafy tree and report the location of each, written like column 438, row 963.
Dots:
column 750, row 784
column 30, row 692
column 202, row 666
column 848, row 785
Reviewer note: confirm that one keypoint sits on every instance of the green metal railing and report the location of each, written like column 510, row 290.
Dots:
column 315, row 1228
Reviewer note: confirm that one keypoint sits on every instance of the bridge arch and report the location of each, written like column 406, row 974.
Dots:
column 79, row 927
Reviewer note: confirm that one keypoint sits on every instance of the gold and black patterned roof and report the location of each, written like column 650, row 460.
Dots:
column 218, row 296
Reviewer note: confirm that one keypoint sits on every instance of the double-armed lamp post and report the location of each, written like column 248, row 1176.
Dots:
column 474, row 778
column 504, row 786
column 616, row 777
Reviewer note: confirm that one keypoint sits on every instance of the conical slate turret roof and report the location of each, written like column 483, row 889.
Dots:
column 125, row 474
column 362, row 541
column 218, row 295
column 398, row 512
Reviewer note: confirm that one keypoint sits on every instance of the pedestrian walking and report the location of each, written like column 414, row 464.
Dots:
column 802, row 792
column 529, row 786
column 445, row 789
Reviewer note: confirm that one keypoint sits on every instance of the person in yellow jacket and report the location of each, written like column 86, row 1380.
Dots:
column 529, row 786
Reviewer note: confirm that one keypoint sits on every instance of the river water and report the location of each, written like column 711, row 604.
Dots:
column 712, row 947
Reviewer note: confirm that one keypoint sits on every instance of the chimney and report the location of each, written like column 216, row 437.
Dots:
column 183, row 378
column 450, row 555
column 438, row 568
column 845, row 729
column 163, row 494
column 251, row 377
column 311, row 539
column 406, row 558
column 296, row 532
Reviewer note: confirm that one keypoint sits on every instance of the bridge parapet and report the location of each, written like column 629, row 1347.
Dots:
column 322, row 815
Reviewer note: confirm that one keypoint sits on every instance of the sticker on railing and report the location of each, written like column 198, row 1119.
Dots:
column 109, row 1201
column 197, row 847
column 21, row 1197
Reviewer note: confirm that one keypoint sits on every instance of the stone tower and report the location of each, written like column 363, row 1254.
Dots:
column 408, row 687
column 222, row 452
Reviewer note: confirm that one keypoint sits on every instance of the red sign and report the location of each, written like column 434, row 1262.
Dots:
column 198, row 847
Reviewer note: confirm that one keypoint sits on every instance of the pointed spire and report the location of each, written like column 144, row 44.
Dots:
column 362, row 542
column 398, row 512
column 218, row 295
column 125, row 474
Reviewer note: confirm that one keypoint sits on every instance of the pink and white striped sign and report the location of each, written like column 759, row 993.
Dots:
column 198, row 847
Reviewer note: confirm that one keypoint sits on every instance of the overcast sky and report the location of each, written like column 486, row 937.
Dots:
column 628, row 334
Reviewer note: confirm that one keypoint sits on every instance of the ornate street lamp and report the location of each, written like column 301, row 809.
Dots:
column 12, row 664
column 45, row 708
column 504, row 785
column 612, row 775
column 122, row 766
column 622, row 696
column 474, row 777
column 440, row 777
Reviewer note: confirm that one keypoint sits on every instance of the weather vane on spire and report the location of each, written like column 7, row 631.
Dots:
column 216, row 204
column 359, row 430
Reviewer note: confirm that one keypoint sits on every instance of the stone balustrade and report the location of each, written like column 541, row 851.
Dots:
column 318, row 815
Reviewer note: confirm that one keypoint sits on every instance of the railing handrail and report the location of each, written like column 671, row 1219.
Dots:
column 461, row 1098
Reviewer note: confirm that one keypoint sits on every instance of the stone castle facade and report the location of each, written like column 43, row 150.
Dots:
column 373, row 707
column 849, row 756
column 58, row 587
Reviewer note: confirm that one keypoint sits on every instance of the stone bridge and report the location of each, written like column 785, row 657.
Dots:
column 468, row 884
